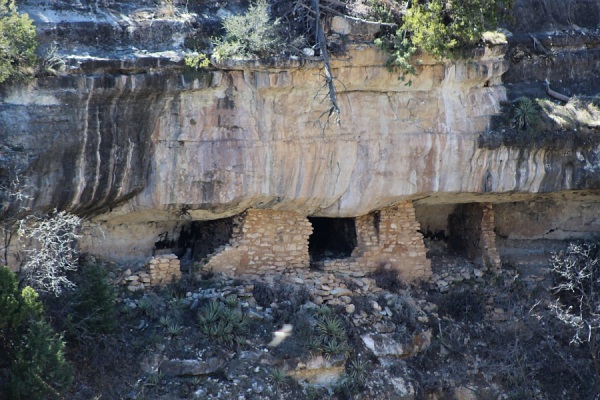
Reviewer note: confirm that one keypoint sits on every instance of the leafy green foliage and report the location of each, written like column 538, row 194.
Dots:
column 251, row 35
column 386, row 10
column 401, row 51
column 16, row 307
column 92, row 304
column 440, row 28
column 197, row 61
column 30, row 350
column 17, row 43
column 40, row 370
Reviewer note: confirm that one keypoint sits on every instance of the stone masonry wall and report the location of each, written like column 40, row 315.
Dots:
column 158, row 271
column 274, row 241
column 488, row 238
column 265, row 241
column 388, row 238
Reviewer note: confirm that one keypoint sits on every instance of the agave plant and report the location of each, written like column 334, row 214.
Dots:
column 174, row 329
column 331, row 328
column 223, row 324
column 525, row 112
column 279, row 377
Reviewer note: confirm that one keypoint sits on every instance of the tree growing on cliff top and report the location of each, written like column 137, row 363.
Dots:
column 253, row 34
column 440, row 28
column 17, row 43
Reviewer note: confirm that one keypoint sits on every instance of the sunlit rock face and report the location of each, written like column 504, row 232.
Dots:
column 245, row 136
column 141, row 144
column 257, row 138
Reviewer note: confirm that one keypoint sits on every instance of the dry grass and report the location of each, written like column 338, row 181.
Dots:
column 577, row 113
column 494, row 37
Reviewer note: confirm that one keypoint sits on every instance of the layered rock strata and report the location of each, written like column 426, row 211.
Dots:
column 131, row 139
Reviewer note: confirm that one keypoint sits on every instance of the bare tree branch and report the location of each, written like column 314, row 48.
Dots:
column 50, row 250
column 334, row 109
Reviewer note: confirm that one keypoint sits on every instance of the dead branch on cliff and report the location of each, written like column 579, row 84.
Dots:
column 308, row 15
column 554, row 94
column 333, row 113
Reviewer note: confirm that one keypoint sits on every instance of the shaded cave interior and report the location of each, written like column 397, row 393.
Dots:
column 331, row 238
column 197, row 240
column 451, row 230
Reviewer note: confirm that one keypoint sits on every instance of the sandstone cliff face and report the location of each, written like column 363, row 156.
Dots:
column 130, row 137
column 218, row 144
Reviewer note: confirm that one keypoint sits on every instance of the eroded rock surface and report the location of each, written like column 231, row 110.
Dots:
column 129, row 136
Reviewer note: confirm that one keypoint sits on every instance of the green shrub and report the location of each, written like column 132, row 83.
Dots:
column 401, row 51
column 440, row 28
column 93, row 303
column 251, row 35
column 40, row 370
column 385, row 10
column 17, row 43
column 197, row 61
column 16, row 307
column 29, row 349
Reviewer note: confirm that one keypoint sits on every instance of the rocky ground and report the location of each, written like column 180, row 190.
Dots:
column 469, row 333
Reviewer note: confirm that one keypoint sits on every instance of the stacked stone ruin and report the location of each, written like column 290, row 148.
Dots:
column 265, row 241
column 270, row 242
column 389, row 239
column 490, row 255
column 158, row 271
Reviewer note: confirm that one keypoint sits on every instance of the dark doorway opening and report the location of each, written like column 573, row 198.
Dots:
column 198, row 239
column 331, row 238
column 464, row 225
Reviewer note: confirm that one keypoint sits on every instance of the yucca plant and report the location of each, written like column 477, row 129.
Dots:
column 211, row 313
column 358, row 370
column 335, row 347
column 147, row 306
column 165, row 321
column 314, row 344
column 525, row 112
column 223, row 324
column 323, row 311
column 231, row 301
column 279, row 377
column 331, row 328
column 174, row 329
